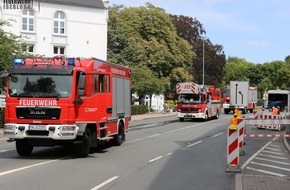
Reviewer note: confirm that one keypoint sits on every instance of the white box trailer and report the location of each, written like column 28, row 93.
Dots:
column 279, row 98
column 240, row 95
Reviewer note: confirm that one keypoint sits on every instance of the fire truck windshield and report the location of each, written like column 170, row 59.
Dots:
column 42, row 86
column 189, row 98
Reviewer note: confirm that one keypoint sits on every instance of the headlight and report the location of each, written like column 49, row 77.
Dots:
column 68, row 128
column 9, row 127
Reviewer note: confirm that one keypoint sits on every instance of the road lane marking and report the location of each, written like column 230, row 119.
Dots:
column 105, row 183
column 7, row 150
column 193, row 144
column 274, row 149
column 270, row 166
column 172, row 131
column 277, row 157
column 284, row 163
column 274, row 145
column 159, row 157
column 256, row 154
column 31, row 166
column 267, row 172
column 192, row 126
column 154, row 159
column 271, row 152
column 217, row 134
column 149, row 137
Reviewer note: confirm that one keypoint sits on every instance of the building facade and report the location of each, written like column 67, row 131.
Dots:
column 73, row 28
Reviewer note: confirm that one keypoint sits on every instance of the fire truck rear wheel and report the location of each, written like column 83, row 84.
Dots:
column 217, row 114
column 23, row 148
column 118, row 139
column 83, row 149
column 206, row 117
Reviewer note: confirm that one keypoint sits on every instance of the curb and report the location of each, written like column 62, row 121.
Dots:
column 151, row 116
column 1, row 133
column 286, row 143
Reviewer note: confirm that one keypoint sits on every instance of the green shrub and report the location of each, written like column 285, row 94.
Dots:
column 171, row 104
column 260, row 102
column 139, row 109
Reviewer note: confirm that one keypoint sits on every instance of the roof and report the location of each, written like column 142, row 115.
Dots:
column 85, row 3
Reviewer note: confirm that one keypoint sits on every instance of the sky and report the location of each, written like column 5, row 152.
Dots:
column 255, row 30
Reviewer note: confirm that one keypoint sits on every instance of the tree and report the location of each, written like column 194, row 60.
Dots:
column 145, row 37
column 235, row 70
column 144, row 82
column 11, row 46
column 273, row 72
column 192, row 30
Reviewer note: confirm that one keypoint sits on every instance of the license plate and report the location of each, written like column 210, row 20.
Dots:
column 37, row 127
column 189, row 115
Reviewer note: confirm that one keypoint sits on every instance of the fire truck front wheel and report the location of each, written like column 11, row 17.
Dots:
column 83, row 147
column 118, row 138
column 23, row 148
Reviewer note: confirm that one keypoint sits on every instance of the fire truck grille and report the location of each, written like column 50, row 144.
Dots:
column 37, row 133
column 189, row 110
column 38, row 113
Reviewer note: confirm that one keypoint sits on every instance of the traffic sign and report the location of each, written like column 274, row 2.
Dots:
column 239, row 93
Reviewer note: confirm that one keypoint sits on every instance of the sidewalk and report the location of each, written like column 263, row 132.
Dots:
column 261, row 182
column 151, row 115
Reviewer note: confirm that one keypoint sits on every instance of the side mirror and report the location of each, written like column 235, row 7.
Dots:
column 82, row 83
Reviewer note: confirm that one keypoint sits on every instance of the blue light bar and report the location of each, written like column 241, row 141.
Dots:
column 18, row 61
column 71, row 61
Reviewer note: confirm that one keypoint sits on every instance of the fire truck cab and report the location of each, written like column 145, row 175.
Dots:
column 196, row 102
column 66, row 101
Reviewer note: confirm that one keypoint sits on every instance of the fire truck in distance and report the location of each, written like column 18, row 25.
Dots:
column 197, row 102
column 251, row 101
column 66, row 101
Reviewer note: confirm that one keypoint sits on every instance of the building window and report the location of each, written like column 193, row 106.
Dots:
column 58, row 50
column 28, row 21
column 59, row 23
column 30, row 48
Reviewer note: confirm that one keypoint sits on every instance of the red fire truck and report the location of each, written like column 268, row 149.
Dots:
column 66, row 101
column 197, row 102
column 251, row 101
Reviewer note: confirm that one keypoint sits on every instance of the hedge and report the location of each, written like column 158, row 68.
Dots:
column 139, row 109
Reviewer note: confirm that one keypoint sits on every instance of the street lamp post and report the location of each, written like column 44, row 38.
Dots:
column 203, row 63
column 203, row 51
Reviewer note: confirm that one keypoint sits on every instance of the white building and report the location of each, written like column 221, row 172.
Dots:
column 157, row 102
column 74, row 28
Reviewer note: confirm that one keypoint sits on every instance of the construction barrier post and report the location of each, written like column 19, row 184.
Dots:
column 241, row 128
column 233, row 151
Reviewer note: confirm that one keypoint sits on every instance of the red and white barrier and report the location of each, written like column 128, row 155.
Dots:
column 241, row 128
column 233, row 147
column 267, row 135
column 267, row 120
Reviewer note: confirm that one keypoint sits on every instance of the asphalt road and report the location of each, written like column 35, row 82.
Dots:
column 160, row 153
